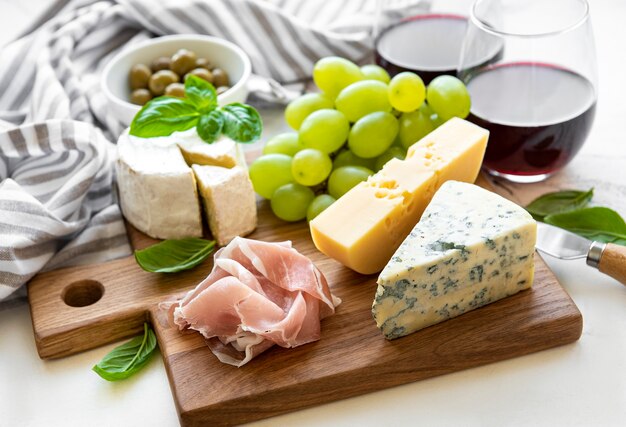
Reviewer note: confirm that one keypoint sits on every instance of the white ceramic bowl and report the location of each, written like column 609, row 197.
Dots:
column 220, row 52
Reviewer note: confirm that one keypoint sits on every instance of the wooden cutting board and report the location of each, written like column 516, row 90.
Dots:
column 79, row 308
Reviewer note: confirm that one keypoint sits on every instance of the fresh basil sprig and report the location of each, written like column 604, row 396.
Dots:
column 210, row 125
column 241, row 122
column 200, row 93
column 557, row 202
column 126, row 359
column 171, row 256
column 596, row 223
column 568, row 210
column 165, row 115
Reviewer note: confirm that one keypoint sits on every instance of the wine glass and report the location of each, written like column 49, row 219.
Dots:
column 425, row 38
column 538, row 99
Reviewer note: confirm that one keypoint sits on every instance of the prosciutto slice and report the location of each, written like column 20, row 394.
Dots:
column 257, row 295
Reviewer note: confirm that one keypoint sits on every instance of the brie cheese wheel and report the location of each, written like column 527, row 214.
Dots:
column 158, row 190
column 229, row 201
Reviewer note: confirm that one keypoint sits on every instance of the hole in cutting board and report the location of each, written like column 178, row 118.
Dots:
column 83, row 293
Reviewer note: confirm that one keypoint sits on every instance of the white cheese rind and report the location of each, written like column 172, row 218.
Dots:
column 157, row 189
column 229, row 201
column 471, row 247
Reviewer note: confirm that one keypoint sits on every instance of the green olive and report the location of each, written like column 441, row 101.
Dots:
column 221, row 89
column 203, row 73
column 175, row 89
column 161, row 63
column 183, row 61
column 139, row 76
column 162, row 79
column 220, row 78
column 203, row 63
column 140, row 96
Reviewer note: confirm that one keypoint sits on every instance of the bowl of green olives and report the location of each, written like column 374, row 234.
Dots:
column 160, row 66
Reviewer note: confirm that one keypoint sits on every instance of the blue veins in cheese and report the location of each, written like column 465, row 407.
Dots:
column 470, row 248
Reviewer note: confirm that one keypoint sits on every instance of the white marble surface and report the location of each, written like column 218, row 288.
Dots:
column 582, row 384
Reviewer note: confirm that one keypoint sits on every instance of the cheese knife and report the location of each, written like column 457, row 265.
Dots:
column 606, row 257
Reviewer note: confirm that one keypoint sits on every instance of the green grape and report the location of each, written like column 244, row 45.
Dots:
column 344, row 178
column 397, row 142
column 301, row 107
column 318, row 205
column 414, row 126
column 348, row 158
column 269, row 172
column 374, row 72
column 373, row 134
column 284, row 143
column 448, row 97
column 311, row 167
column 393, row 152
column 436, row 120
column 325, row 130
column 428, row 112
column 290, row 201
column 406, row 92
column 332, row 74
column 361, row 98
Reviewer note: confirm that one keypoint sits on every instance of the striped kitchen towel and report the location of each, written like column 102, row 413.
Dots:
column 57, row 203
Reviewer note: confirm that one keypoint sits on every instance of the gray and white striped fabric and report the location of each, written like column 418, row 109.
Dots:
column 57, row 203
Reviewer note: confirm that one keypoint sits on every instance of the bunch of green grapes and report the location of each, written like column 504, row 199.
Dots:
column 359, row 121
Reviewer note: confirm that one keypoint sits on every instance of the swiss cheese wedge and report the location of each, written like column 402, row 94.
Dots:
column 364, row 227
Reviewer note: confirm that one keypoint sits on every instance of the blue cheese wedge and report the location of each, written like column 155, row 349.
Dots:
column 229, row 201
column 470, row 248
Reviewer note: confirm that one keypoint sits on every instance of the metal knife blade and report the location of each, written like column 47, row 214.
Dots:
column 561, row 243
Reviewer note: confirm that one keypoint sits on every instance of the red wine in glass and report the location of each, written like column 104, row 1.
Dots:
column 538, row 116
column 428, row 45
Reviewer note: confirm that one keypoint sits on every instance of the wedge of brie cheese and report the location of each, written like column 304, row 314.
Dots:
column 158, row 190
column 471, row 247
column 229, row 201
column 224, row 152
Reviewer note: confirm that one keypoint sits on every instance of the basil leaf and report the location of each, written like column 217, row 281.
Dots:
column 596, row 223
column 163, row 116
column 171, row 256
column 241, row 122
column 200, row 93
column 126, row 359
column 210, row 126
column 560, row 201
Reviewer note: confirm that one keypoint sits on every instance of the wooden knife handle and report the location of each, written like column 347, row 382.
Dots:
column 613, row 262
